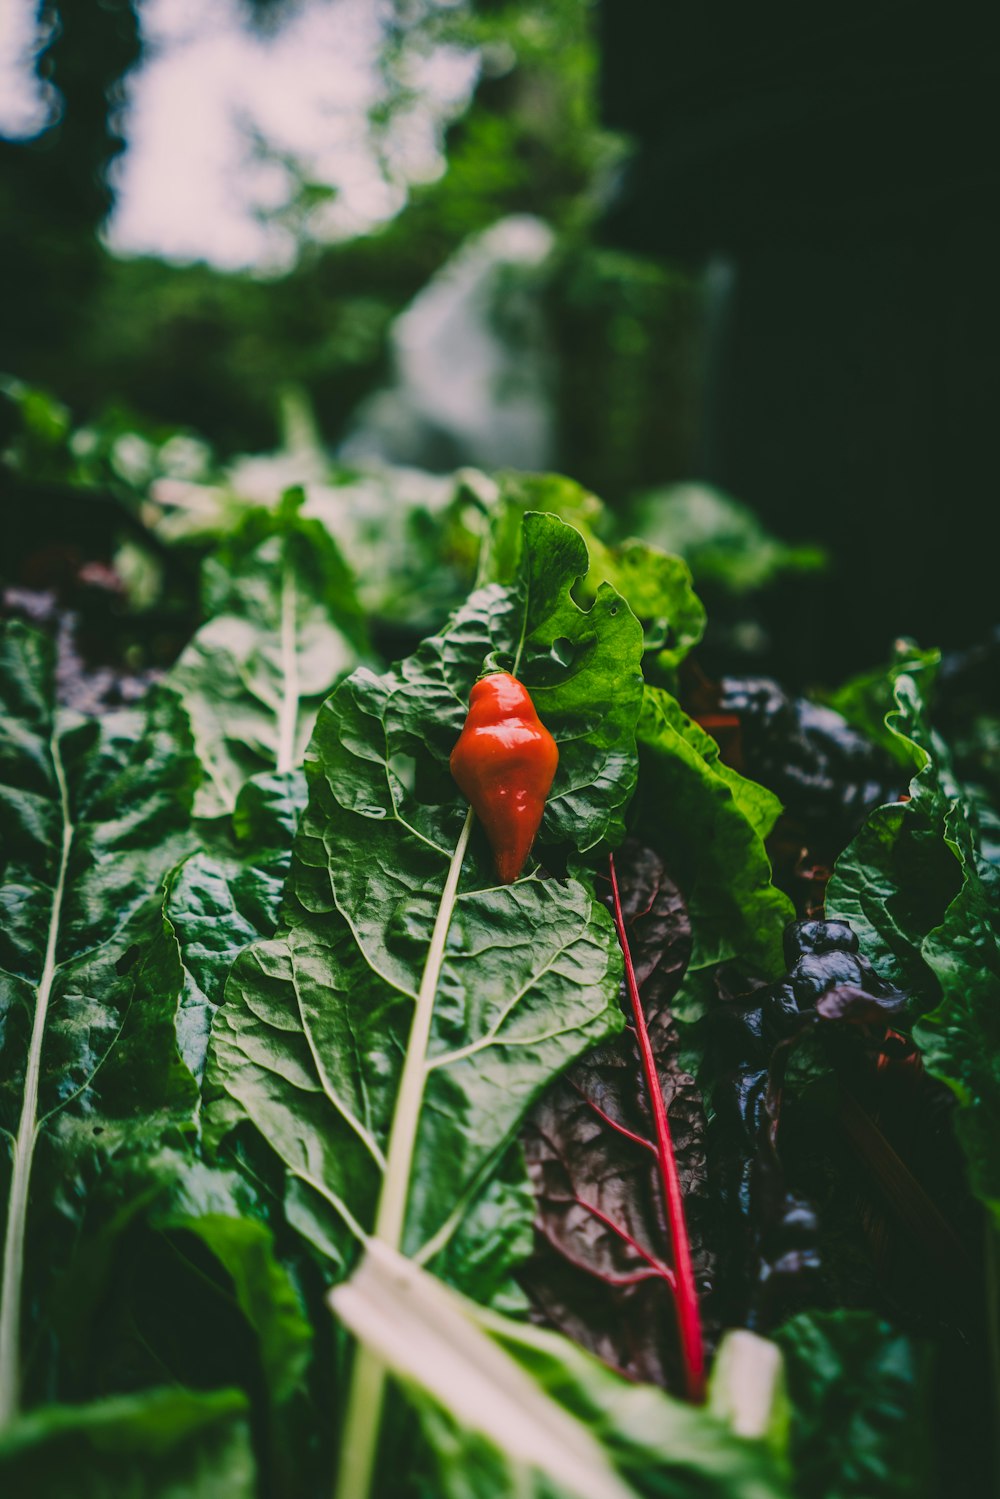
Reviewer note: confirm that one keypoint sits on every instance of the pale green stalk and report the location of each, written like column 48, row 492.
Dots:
column 27, row 1134
column 363, row 1418
column 288, row 716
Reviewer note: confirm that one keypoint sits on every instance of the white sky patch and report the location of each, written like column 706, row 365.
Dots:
column 191, row 185
column 24, row 105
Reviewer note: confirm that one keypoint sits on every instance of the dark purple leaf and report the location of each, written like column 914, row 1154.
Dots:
column 603, row 1269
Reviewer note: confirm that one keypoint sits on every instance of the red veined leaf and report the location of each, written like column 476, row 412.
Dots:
column 616, row 1155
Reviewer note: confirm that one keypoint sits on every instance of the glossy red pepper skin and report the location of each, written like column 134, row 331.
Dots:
column 504, row 763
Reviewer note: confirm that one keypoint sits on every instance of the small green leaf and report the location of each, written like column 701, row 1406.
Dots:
column 163, row 1444
column 710, row 823
column 859, row 1407
column 867, row 698
column 656, row 585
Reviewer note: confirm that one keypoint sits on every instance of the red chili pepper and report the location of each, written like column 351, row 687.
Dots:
column 504, row 763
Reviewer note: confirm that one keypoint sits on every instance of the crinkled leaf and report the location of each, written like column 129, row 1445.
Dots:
column 866, row 699
column 494, row 1238
column 228, row 894
column 923, row 904
column 709, row 822
column 95, row 815
column 659, row 590
column 316, row 1024
column 657, row 585
column 602, row 1238
column 164, row 1444
column 859, row 1408
column 515, row 1412
column 285, row 627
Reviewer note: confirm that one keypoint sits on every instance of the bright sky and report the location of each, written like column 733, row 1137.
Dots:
column 190, row 186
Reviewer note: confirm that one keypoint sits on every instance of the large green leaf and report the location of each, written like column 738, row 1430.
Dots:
column 859, row 1420
column 710, row 824
column 95, row 814
column 165, row 1444
column 284, row 626
column 389, row 1042
column 924, row 905
column 311, row 1040
column 517, row 1413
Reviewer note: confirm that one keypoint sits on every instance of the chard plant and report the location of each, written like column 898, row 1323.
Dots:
column 336, row 1163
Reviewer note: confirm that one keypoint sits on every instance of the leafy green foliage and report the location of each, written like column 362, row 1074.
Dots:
column 866, row 699
column 923, row 903
column 710, row 824
column 378, row 1016
column 657, row 586
column 168, row 1444
column 722, row 541
column 227, row 894
column 859, row 1393
column 180, row 1276
column 316, row 1024
column 512, row 1410
column 285, row 625
column 96, row 814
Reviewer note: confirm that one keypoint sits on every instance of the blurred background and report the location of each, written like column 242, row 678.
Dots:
column 733, row 272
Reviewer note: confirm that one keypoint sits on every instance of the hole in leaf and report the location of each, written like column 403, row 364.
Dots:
column 127, row 959
column 405, row 768
column 563, row 651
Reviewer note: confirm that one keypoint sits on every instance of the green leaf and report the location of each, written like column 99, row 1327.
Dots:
column 659, row 590
column 656, row 585
column 95, row 813
column 723, row 541
column 924, row 906
column 311, row 1041
column 164, row 1444
column 389, row 1042
column 511, row 1410
column 179, row 1276
column 412, row 539
column 867, row 698
column 710, row 824
column 228, row 894
column 285, row 627
column 212, row 1205
column 859, row 1408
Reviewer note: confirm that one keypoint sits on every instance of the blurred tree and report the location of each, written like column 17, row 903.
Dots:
column 212, row 350
column 54, row 192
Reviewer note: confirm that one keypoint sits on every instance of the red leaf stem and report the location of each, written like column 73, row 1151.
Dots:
column 685, row 1294
column 656, row 1266
column 602, row 1114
